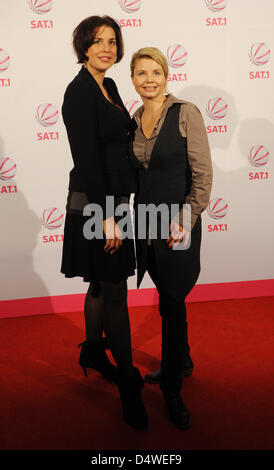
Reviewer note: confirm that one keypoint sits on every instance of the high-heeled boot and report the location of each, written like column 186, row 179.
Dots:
column 93, row 355
column 130, row 393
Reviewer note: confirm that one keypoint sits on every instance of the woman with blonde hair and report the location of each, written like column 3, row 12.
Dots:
column 171, row 157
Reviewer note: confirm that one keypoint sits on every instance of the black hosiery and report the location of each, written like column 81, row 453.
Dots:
column 116, row 323
column 94, row 310
column 106, row 311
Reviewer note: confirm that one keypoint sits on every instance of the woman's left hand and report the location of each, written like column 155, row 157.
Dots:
column 177, row 234
column 113, row 235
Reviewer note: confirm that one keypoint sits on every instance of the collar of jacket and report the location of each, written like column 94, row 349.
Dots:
column 85, row 75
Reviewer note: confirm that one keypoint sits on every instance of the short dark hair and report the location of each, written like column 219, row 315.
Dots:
column 84, row 35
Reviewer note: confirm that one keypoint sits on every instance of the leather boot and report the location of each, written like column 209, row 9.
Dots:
column 178, row 411
column 130, row 393
column 155, row 376
column 93, row 355
column 172, row 366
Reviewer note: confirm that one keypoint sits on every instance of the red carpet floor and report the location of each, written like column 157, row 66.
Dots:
column 47, row 403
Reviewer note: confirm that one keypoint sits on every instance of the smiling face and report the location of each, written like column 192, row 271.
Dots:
column 148, row 78
column 102, row 53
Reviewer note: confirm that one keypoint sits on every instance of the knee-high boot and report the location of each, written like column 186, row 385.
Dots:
column 172, row 364
column 155, row 376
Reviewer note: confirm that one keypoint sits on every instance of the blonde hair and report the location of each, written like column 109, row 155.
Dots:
column 150, row 53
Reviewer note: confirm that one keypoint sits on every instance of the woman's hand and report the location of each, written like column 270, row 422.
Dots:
column 113, row 235
column 176, row 235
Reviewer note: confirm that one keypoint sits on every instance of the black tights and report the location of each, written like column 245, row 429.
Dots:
column 106, row 310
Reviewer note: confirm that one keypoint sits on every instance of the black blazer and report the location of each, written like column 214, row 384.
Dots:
column 98, row 134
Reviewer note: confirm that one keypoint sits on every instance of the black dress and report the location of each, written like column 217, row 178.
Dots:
column 98, row 133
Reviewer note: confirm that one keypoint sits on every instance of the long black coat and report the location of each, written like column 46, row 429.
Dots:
column 167, row 180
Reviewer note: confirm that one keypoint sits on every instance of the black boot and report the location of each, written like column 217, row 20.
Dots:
column 178, row 411
column 170, row 387
column 93, row 355
column 171, row 379
column 155, row 376
column 130, row 393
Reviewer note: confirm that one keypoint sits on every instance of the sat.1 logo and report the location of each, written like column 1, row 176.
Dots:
column 52, row 219
column 130, row 7
column 217, row 209
column 4, row 60
column 176, row 57
column 217, row 110
column 8, row 170
column 259, row 55
column 47, row 116
column 216, row 6
column 41, row 7
column 258, row 157
column 4, row 65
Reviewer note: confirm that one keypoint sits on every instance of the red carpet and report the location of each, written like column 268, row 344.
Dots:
column 46, row 403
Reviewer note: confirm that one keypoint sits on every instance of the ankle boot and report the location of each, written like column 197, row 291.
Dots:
column 93, row 355
column 178, row 411
column 130, row 393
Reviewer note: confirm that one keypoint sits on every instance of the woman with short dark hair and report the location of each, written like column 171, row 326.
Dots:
column 84, row 35
column 98, row 127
